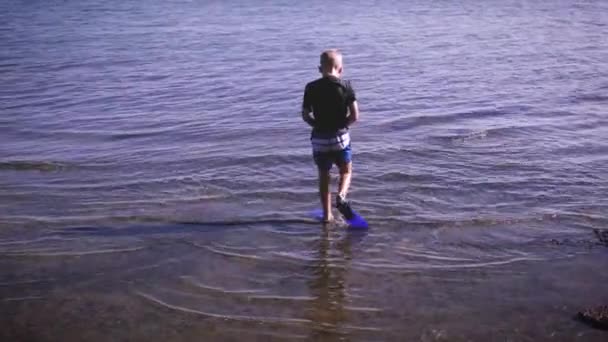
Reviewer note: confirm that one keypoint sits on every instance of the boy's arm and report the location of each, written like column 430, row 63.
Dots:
column 307, row 118
column 307, row 108
column 353, row 109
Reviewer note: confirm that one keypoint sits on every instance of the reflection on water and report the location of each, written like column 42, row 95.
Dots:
column 329, row 286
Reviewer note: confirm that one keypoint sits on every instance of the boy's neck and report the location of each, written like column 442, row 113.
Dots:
column 331, row 74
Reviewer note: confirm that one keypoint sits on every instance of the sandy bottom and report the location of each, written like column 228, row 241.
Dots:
column 185, row 290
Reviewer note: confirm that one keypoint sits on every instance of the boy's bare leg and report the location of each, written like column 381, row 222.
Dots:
column 325, row 194
column 346, row 172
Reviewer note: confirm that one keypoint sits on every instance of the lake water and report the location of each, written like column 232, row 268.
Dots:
column 156, row 180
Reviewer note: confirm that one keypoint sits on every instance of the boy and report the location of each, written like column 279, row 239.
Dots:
column 332, row 102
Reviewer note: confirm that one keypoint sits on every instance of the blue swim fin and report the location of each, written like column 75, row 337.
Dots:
column 356, row 221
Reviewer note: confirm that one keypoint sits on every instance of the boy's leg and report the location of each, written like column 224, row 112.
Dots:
column 346, row 172
column 344, row 162
column 325, row 194
column 324, row 163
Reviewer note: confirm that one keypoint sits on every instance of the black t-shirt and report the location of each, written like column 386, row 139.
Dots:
column 329, row 98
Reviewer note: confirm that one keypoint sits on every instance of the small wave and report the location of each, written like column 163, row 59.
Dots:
column 418, row 250
column 142, row 133
column 279, row 336
column 402, row 176
column 415, row 267
column 302, row 233
column 432, row 257
column 262, row 319
column 281, row 298
column 295, row 256
column 44, row 166
column 30, row 241
column 95, row 135
column 242, row 248
column 162, row 225
column 230, row 254
column 430, row 120
column 39, row 253
column 471, row 136
column 26, row 282
column 362, row 309
column 246, row 222
column 461, row 136
column 361, row 328
column 584, row 98
column 602, row 240
column 198, row 285
column 7, row 67
column 20, row 299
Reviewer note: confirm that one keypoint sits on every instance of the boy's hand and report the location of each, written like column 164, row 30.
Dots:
column 307, row 118
column 353, row 109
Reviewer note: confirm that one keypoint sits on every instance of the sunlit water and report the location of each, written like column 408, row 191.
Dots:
column 156, row 181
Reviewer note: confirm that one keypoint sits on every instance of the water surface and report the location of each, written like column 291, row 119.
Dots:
column 156, row 178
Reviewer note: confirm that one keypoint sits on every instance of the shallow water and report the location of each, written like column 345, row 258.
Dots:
column 156, row 179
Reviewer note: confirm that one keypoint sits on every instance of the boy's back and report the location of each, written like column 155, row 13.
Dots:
column 329, row 97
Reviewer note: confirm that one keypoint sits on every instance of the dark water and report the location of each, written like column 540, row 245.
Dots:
column 156, row 178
